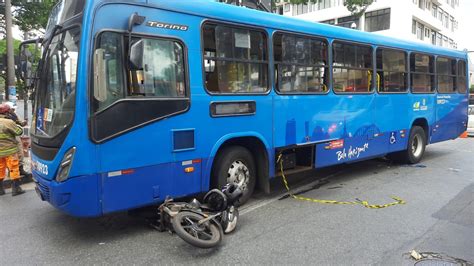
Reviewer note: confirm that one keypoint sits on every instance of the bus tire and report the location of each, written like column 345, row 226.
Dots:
column 235, row 164
column 416, row 147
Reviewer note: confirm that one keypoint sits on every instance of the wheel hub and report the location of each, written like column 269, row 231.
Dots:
column 238, row 174
column 417, row 146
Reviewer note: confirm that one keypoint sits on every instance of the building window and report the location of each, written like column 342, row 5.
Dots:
column 445, row 41
column 329, row 21
column 446, row 20
column 427, row 33
column 323, row 4
column 352, row 68
column 391, row 71
column 439, row 39
column 287, row 7
column 347, row 22
column 446, row 72
column 420, row 31
column 300, row 64
column 461, row 85
column 421, row 4
column 452, row 23
column 377, row 20
column 422, row 73
column 235, row 60
column 299, row 9
column 434, row 10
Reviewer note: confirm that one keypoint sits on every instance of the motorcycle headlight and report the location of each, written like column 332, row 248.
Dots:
column 65, row 166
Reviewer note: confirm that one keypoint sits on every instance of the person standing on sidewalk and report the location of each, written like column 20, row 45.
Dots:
column 9, row 130
column 11, row 114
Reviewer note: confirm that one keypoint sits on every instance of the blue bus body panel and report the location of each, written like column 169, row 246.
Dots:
column 79, row 196
column 143, row 167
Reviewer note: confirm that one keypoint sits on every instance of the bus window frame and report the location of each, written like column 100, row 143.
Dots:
column 93, row 114
column 455, row 76
column 238, row 26
column 373, row 68
column 62, row 134
column 328, row 65
column 125, row 68
column 407, row 69
column 410, row 86
column 466, row 77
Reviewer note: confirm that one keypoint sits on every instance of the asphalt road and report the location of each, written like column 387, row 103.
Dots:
column 438, row 217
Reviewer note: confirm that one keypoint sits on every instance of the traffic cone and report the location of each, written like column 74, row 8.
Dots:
column 464, row 135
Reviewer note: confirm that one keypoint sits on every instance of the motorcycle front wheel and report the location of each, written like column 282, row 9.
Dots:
column 186, row 225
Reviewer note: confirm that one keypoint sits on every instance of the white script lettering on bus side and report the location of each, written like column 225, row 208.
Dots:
column 40, row 167
column 162, row 25
column 352, row 152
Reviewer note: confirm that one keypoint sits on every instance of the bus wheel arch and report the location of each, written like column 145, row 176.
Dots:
column 258, row 151
column 423, row 123
column 418, row 139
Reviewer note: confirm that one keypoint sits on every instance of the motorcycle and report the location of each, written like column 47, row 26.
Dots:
column 202, row 224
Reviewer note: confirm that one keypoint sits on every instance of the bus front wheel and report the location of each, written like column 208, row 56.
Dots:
column 236, row 165
column 416, row 147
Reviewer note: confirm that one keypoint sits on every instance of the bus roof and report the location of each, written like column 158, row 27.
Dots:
column 225, row 12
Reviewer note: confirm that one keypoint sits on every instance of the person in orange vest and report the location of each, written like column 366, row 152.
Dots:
column 9, row 130
column 13, row 116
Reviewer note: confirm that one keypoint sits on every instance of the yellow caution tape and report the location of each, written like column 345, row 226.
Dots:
column 364, row 203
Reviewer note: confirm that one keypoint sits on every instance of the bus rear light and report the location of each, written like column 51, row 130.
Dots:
column 65, row 166
column 189, row 170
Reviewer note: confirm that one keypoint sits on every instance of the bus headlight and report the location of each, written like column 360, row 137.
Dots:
column 65, row 166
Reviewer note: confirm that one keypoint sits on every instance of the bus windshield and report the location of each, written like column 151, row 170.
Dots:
column 56, row 91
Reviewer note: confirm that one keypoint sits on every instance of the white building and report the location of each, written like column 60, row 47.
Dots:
column 429, row 21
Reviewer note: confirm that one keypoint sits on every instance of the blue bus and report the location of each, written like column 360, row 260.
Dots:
column 139, row 100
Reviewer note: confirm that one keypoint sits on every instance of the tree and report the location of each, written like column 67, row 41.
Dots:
column 357, row 7
column 31, row 15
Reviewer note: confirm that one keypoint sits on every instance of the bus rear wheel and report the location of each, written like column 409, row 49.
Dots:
column 236, row 165
column 416, row 147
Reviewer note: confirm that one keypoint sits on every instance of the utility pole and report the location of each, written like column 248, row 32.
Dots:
column 10, row 88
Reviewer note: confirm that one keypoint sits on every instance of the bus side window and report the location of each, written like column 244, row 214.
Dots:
column 422, row 73
column 392, row 76
column 446, row 73
column 352, row 67
column 300, row 64
column 111, row 43
column 461, row 77
column 161, row 73
column 235, row 60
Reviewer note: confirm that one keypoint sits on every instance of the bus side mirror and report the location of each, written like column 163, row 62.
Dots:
column 100, row 85
column 136, row 56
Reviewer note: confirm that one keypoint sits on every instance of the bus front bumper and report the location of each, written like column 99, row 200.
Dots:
column 78, row 196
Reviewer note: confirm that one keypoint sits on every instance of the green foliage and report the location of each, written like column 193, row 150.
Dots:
column 3, row 47
column 31, row 16
column 357, row 7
